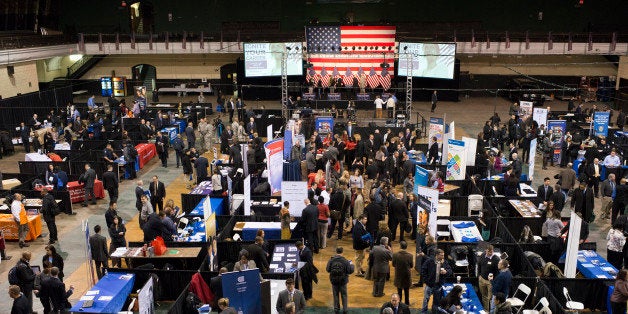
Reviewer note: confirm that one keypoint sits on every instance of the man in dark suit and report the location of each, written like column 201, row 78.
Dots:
column 111, row 183
column 139, row 191
column 516, row 165
column 25, row 134
column 374, row 214
column 361, row 241
column 312, row 192
column 157, row 193
column 396, row 305
column 100, row 254
column 432, row 153
column 435, row 271
column 145, row 130
column 544, row 192
column 251, row 127
column 309, row 218
column 20, row 302
column 378, row 140
column 257, row 253
column 189, row 134
column 582, row 201
column 398, row 216
column 380, row 256
column 403, row 261
column 593, row 172
column 88, row 178
column 290, row 295
column 308, row 271
column 162, row 142
column 53, row 292
column 49, row 209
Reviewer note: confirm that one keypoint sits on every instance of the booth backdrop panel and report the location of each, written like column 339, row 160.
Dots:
column 39, row 168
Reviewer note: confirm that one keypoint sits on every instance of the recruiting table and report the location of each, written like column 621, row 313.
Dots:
column 272, row 230
column 36, row 157
column 77, row 190
column 109, row 294
column 181, row 254
column 145, row 152
column 526, row 208
column 214, row 202
column 464, row 231
column 470, row 301
column 592, row 265
column 9, row 227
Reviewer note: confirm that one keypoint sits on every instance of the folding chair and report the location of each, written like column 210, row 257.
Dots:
column 543, row 302
column 476, row 203
column 516, row 302
column 572, row 305
column 442, row 229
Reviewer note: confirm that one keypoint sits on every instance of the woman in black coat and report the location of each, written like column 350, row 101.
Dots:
column 54, row 258
column 116, row 232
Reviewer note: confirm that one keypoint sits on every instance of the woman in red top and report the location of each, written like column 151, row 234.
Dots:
column 323, row 215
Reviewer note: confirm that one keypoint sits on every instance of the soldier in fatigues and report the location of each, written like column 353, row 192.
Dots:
column 202, row 129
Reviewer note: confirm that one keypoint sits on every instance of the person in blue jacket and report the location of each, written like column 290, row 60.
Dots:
column 501, row 283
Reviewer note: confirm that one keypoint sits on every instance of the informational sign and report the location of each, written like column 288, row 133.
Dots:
column 435, row 60
column 247, row 195
column 287, row 144
column 437, row 129
column 533, row 144
column 324, row 126
column 295, row 192
column 428, row 201
column 556, row 130
column 525, row 109
column 274, row 163
column 264, row 59
column 421, row 177
column 456, row 160
column 119, row 86
column 540, row 116
column 600, row 123
column 106, row 86
column 243, row 290
column 571, row 256
column 472, row 145
column 146, row 299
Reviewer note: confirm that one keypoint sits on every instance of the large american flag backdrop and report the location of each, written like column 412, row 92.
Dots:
column 347, row 52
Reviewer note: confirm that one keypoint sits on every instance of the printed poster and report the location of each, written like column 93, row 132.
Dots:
column 437, row 129
column 243, row 290
column 472, row 145
column 556, row 130
column 540, row 116
column 274, row 163
column 421, row 177
column 428, row 206
column 456, row 160
column 525, row 110
column 600, row 123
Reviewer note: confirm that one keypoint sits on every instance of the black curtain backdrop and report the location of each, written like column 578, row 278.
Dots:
column 20, row 108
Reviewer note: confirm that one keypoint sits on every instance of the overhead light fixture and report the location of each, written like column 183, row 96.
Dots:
column 76, row 57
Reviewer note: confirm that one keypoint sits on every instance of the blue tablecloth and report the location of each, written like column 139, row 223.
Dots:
column 182, row 125
column 576, row 165
column 195, row 232
column 592, row 265
column 116, row 286
column 470, row 301
column 171, row 132
column 215, row 203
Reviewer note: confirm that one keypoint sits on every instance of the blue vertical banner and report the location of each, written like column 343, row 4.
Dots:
column 556, row 130
column 287, row 144
column 421, row 177
column 324, row 126
column 600, row 123
column 243, row 290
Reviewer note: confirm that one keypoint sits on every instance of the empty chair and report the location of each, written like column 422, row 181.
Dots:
column 475, row 205
column 442, row 229
column 572, row 305
column 541, row 305
column 460, row 255
column 517, row 302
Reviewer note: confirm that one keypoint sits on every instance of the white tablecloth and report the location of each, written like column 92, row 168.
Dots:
column 469, row 232
column 36, row 157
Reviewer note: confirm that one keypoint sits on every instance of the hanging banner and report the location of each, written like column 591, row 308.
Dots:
column 531, row 159
column 421, row 177
column 600, row 123
column 243, row 290
column 525, row 110
column 437, row 129
column 456, row 160
column 451, row 129
column 428, row 204
column 294, row 192
column 324, row 126
column 571, row 254
column 540, row 116
column 471, row 145
column 274, row 163
column 287, row 144
column 556, row 130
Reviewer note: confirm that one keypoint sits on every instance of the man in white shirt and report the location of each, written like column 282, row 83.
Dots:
column 19, row 213
column 390, row 106
column 325, row 194
column 612, row 163
column 379, row 105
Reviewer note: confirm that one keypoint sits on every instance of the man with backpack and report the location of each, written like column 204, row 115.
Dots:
column 339, row 269
column 49, row 210
column 23, row 276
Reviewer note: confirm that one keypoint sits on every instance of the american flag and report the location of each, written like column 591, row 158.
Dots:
column 348, row 78
column 351, row 47
column 372, row 79
column 384, row 79
column 324, row 77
